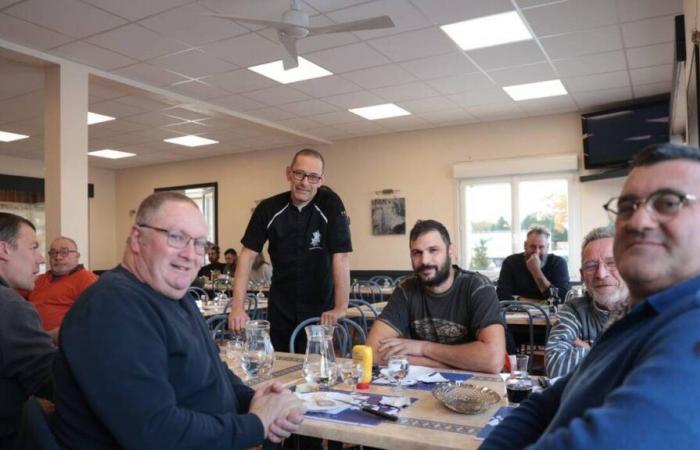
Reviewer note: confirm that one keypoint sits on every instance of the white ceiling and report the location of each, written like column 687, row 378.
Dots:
column 604, row 51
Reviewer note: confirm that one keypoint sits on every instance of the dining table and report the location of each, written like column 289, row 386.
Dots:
column 424, row 425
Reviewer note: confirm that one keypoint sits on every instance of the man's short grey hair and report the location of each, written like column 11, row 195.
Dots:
column 65, row 238
column 540, row 231
column 150, row 206
column 597, row 233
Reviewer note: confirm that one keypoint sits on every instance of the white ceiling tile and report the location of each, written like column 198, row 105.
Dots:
column 315, row 42
column 549, row 105
column 531, row 3
column 336, row 118
column 602, row 99
column 404, row 123
column 154, row 119
column 25, row 33
column 588, row 64
column 480, row 97
column 441, row 12
column 136, row 9
column 347, row 58
column 410, row 91
column 16, row 79
column 323, row 87
column 136, row 42
column 355, row 100
column 653, row 55
column 188, row 25
column 648, row 90
column 22, row 107
column 69, row 17
column 425, row 105
column 380, row 76
column 193, row 63
column 299, row 123
column 656, row 74
column 404, row 15
column 582, row 43
column 146, row 73
column 366, row 126
column 246, row 50
column 242, row 80
column 182, row 112
column 308, row 108
column 271, row 10
column 328, row 132
column 414, row 44
column 648, row 32
column 439, row 66
column 272, row 114
column 115, row 109
column 332, row 5
column 237, row 102
column 32, row 127
column 198, row 89
column 597, row 81
column 571, row 15
column 113, row 127
column 461, row 83
column 92, row 55
column 500, row 111
column 629, row 10
column 277, row 95
column 105, row 92
column 187, row 128
column 146, row 103
column 446, row 115
column 508, row 55
column 523, row 74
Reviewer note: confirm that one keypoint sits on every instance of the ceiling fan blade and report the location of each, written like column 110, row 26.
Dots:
column 289, row 60
column 266, row 23
column 372, row 23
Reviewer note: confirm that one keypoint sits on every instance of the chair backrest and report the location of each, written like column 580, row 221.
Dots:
column 361, row 307
column 382, row 280
column 35, row 433
column 217, row 324
column 252, row 306
column 398, row 280
column 366, row 290
column 341, row 331
column 515, row 306
column 197, row 292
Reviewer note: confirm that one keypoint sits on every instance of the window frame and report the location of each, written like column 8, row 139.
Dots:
column 214, row 185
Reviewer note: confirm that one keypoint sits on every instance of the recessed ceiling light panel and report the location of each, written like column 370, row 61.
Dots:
column 541, row 89
column 191, row 141
column 383, row 111
column 93, row 118
column 6, row 136
column 111, row 154
column 488, row 31
column 305, row 71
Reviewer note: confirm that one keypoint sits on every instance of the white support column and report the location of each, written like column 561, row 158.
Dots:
column 65, row 154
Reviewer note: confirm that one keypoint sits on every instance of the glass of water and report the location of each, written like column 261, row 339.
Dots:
column 351, row 372
column 397, row 369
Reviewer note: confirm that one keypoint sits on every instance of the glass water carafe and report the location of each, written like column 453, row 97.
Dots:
column 319, row 362
column 258, row 354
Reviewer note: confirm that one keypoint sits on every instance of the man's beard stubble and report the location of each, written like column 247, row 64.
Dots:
column 441, row 273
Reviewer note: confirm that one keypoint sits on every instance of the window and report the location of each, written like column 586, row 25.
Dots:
column 497, row 212
column 206, row 198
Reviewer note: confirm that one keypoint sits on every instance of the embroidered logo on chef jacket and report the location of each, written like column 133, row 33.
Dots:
column 315, row 240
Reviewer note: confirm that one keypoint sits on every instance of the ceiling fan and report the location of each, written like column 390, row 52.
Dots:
column 294, row 25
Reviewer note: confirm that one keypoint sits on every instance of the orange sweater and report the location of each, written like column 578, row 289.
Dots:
column 53, row 297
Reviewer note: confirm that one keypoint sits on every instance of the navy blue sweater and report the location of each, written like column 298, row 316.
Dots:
column 515, row 279
column 137, row 370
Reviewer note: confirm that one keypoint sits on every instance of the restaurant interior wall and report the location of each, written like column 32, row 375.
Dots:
column 418, row 164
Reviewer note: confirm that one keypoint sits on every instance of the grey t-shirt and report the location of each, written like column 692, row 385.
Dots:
column 453, row 317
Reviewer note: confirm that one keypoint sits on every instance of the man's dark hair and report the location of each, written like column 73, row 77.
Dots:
column 308, row 152
column 230, row 251
column 423, row 226
column 215, row 248
column 9, row 227
column 657, row 153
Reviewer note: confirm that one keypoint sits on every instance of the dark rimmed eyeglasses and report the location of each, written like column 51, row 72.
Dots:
column 592, row 267
column 62, row 251
column 179, row 240
column 313, row 178
column 661, row 205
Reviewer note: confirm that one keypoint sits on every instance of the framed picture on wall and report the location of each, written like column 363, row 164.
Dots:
column 388, row 216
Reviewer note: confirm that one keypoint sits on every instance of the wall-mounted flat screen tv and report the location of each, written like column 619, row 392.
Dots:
column 611, row 138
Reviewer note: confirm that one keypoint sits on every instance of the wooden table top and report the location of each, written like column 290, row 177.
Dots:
column 425, row 425
column 353, row 313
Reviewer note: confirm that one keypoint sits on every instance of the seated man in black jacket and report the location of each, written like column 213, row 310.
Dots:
column 137, row 367
column 26, row 352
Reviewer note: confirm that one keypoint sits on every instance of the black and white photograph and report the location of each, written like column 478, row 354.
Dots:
column 388, row 216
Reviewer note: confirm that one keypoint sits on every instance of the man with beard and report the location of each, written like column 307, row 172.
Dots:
column 442, row 316
column 535, row 273
column 581, row 320
column 638, row 387
column 214, row 264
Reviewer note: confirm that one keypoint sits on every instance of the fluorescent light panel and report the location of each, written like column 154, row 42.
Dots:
column 191, row 141
column 305, row 71
column 111, row 154
column 383, row 111
column 488, row 31
column 93, row 118
column 6, row 136
column 541, row 89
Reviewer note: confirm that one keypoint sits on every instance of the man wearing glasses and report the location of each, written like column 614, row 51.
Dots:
column 581, row 320
column 137, row 367
column 56, row 290
column 309, row 244
column 638, row 388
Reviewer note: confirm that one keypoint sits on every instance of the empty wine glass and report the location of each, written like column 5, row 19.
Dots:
column 397, row 369
column 351, row 372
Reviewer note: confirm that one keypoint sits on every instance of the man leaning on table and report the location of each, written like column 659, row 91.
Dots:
column 137, row 368
column 442, row 316
column 638, row 387
column 581, row 320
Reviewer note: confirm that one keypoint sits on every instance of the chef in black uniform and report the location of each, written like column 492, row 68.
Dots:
column 309, row 244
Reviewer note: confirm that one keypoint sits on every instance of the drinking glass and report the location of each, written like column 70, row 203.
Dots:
column 351, row 372
column 397, row 369
column 519, row 385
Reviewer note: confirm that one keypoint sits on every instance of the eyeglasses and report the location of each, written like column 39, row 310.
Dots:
column 592, row 267
column 661, row 205
column 299, row 175
column 63, row 252
column 181, row 240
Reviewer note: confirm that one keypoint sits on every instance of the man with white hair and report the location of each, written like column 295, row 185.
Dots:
column 582, row 319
